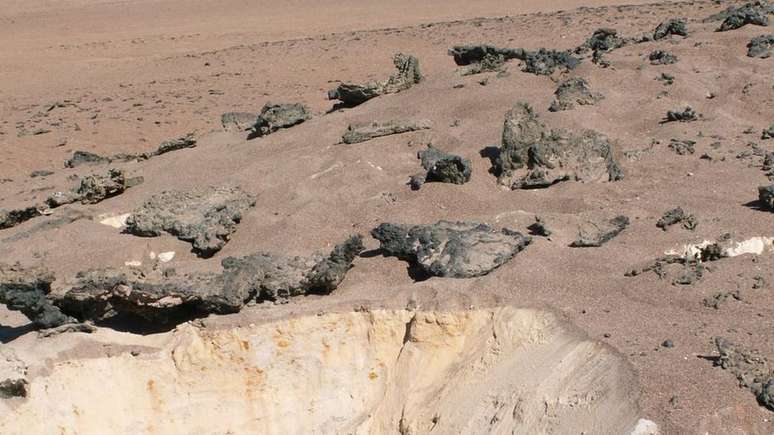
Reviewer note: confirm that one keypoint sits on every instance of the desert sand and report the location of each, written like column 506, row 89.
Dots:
column 557, row 339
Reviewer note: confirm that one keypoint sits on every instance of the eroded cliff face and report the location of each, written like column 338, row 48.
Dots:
column 501, row 370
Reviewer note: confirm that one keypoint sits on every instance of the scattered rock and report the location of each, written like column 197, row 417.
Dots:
column 94, row 189
column 677, row 216
column 545, row 62
column 187, row 141
column 595, row 234
column 442, row 167
column 766, row 196
column 362, row 132
column 489, row 63
column 407, row 76
column 206, row 217
column 40, row 173
column 682, row 147
column 13, row 382
column 750, row 368
column 667, row 79
column 238, row 121
column 539, row 228
column 686, row 115
column 11, row 218
column 768, row 133
column 276, row 116
column 604, row 40
column 720, row 298
column 670, row 27
column 451, row 249
column 668, row 344
column 532, row 156
column 574, row 91
column 760, row 46
column 661, row 57
column 27, row 290
column 755, row 13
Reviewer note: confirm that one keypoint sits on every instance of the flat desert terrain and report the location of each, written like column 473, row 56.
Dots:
column 361, row 217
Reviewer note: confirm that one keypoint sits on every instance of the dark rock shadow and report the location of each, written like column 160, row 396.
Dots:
column 493, row 154
column 134, row 324
column 756, row 205
column 415, row 272
column 371, row 253
column 11, row 333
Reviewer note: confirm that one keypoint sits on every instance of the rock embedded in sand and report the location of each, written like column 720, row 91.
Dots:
column 85, row 158
column 278, row 116
column 442, row 167
column 661, row 57
column 750, row 368
column 677, row 216
column 593, row 234
column 13, row 380
column 11, row 218
column 206, row 217
column 674, row 26
column 755, row 13
column 451, row 249
column 603, row 39
column 238, row 121
column 472, row 54
column 362, row 132
column 540, row 62
column 766, row 197
column 574, row 91
column 682, row 147
column 182, row 142
column 532, row 156
column 489, row 63
column 768, row 133
column 94, row 188
column 407, row 76
column 685, row 115
column 27, row 291
column 761, row 46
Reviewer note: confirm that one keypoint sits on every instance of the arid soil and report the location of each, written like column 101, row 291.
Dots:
column 118, row 79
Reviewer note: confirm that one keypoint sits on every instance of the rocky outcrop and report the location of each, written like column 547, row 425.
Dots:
column 451, row 249
column 674, row 26
column 87, row 158
column 94, row 188
column 545, row 62
column 532, row 156
column 158, row 299
column 472, row 54
column 27, row 291
column 761, row 46
column 441, row 167
column 593, row 234
column 362, row 132
column 541, row 62
column 574, row 91
column 750, row 368
column 278, row 116
column 206, row 217
column 407, row 76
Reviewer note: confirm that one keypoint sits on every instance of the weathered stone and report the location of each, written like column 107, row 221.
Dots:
column 85, row 158
column 277, row 116
column 602, row 40
column 489, row 63
column 574, row 91
column 750, row 368
column 541, row 62
column 755, row 13
column 674, row 26
column 595, row 234
column 677, row 216
column 11, row 218
column 362, row 132
column 206, row 217
column 27, row 290
column 685, row 115
column 682, row 147
column 761, row 46
column 94, row 188
column 766, row 197
column 532, row 156
column 451, row 249
column 661, row 57
column 407, row 76
column 472, row 54
column 238, row 121
column 187, row 141
column 545, row 62
column 768, row 133
column 443, row 167
column 13, row 381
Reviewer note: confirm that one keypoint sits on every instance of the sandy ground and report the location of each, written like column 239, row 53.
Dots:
column 131, row 74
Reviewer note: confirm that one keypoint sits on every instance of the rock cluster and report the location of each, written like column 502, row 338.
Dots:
column 532, row 156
